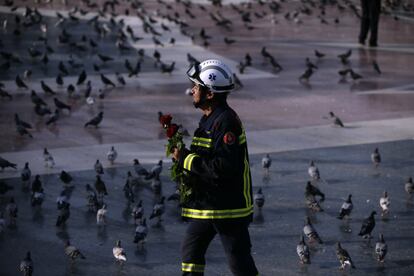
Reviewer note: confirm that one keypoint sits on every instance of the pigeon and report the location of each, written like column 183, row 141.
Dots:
column 343, row 257
column 346, row 208
column 2, row 223
column 37, row 197
column 101, row 215
column 20, row 83
column 310, row 232
column 158, row 209
column 381, row 249
column 53, row 119
column 61, row 105
column 36, row 99
column 368, row 225
column 47, row 88
column 59, row 80
column 266, row 163
column 112, row 155
column 311, row 190
column 139, row 169
column 376, row 67
column 21, row 130
column 65, row 177
column 5, row 164
column 95, row 121
column 72, row 252
column 309, row 64
column 313, row 171
column 336, row 121
column 355, row 76
column 100, row 186
column 167, row 68
column 92, row 198
column 306, row 75
column 26, row 174
column 37, row 184
column 319, row 54
column 259, row 198
column 62, row 200
column 120, row 79
column 155, row 171
column 303, row 251
column 106, row 81
column 119, row 252
column 156, row 185
column 20, row 122
column 376, row 158
column 98, row 167
column 384, row 204
column 48, row 158
column 104, row 58
column 26, row 265
column 64, row 215
column 137, row 211
column 82, row 77
column 12, row 210
column 409, row 186
column 141, row 232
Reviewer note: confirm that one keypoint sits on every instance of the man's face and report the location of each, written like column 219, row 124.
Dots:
column 199, row 95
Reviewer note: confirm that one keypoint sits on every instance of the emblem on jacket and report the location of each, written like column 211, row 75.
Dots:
column 229, row 138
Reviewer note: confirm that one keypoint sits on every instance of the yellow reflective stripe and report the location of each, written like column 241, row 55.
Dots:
column 202, row 139
column 246, row 182
column 217, row 214
column 188, row 267
column 202, row 142
column 242, row 138
column 188, row 161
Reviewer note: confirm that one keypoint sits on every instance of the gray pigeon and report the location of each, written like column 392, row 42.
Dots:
column 26, row 265
column 141, row 232
column 303, row 251
column 346, row 208
column 343, row 257
column 310, row 232
column 376, row 158
column 367, row 226
column 259, row 198
column 5, row 164
column 409, row 186
column 381, row 249
column 313, row 171
column 72, row 252
column 98, row 167
column 26, row 174
column 266, row 163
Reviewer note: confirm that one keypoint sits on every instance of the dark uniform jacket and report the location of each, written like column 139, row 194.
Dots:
column 217, row 168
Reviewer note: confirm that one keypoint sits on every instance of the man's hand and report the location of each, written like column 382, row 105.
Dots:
column 175, row 153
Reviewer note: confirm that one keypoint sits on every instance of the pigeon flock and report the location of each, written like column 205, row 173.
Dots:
column 75, row 58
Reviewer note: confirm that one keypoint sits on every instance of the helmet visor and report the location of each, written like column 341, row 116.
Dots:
column 194, row 73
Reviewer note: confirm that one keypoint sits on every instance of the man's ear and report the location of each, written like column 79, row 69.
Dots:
column 209, row 95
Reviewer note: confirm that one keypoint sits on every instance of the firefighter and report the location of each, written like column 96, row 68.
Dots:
column 217, row 173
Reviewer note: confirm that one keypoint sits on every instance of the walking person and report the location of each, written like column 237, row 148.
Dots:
column 218, row 174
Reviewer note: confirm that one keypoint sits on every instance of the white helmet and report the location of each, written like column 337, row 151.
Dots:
column 214, row 74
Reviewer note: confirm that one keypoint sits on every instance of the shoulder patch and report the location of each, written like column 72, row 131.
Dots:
column 229, row 138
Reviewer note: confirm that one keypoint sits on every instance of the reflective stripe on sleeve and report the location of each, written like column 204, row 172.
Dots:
column 202, row 142
column 188, row 161
column 188, row 267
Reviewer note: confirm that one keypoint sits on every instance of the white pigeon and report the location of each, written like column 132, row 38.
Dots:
column 48, row 158
column 313, row 171
column 266, row 163
column 101, row 215
column 381, row 249
column 384, row 204
column 111, row 155
column 90, row 100
column 119, row 252
column 259, row 198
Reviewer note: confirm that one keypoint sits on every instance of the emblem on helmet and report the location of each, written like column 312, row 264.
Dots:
column 212, row 77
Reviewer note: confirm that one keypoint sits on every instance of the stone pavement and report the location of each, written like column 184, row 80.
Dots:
column 282, row 117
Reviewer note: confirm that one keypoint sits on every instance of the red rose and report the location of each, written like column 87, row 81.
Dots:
column 165, row 120
column 172, row 130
